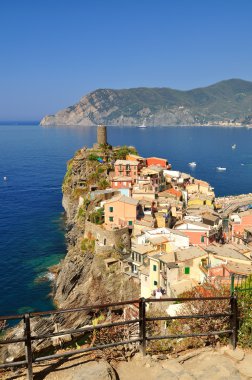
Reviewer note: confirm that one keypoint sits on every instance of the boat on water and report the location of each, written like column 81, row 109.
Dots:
column 193, row 164
column 233, row 146
column 221, row 169
column 142, row 125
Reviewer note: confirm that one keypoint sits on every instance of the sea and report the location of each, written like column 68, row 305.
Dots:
column 32, row 166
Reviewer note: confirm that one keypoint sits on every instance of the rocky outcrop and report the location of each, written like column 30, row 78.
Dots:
column 224, row 103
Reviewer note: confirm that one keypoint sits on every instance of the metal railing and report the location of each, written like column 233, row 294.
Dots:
column 142, row 337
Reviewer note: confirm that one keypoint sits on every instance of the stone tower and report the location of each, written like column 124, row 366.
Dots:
column 102, row 135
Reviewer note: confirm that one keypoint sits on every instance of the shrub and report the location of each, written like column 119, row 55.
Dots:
column 244, row 296
column 88, row 245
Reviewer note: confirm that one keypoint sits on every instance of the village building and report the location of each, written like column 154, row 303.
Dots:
column 122, row 211
column 123, row 185
column 139, row 253
column 162, row 162
column 127, row 168
column 199, row 233
column 139, row 159
column 174, row 239
column 238, row 222
column 176, row 272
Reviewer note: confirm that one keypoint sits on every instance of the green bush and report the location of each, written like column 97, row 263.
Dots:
column 244, row 296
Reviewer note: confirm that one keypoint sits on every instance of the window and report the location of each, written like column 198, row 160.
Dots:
column 111, row 219
column 187, row 270
column 155, row 282
column 154, row 268
column 111, row 209
column 202, row 239
column 130, row 222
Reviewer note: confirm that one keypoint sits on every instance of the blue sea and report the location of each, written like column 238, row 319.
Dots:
column 34, row 159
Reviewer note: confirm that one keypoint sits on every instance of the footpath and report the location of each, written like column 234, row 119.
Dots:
column 222, row 363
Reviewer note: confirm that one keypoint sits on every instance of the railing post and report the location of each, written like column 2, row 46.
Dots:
column 234, row 320
column 142, row 324
column 28, row 346
column 232, row 284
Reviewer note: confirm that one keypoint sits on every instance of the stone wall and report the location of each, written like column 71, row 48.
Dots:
column 105, row 238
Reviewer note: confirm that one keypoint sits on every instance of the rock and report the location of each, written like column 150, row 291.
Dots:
column 237, row 354
column 88, row 371
column 245, row 367
column 173, row 366
column 186, row 376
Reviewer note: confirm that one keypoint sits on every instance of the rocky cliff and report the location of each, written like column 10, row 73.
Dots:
column 226, row 102
column 81, row 278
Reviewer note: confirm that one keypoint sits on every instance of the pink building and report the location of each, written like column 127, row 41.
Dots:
column 127, row 168
column 121, row 211
column 121, row 183
column 198, row 233
column 238, row 224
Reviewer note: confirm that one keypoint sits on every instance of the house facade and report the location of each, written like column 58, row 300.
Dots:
column 121, row 211
column 127, row 168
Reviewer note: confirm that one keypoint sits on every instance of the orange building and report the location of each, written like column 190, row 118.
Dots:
column 158, row 162
column 121, row 211
column 121, row 183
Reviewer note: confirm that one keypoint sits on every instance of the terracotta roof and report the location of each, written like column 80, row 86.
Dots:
column 175, row 192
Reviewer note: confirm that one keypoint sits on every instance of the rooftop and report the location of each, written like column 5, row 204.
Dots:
column 141, row 248
column 126, row 162
column 123, row 199
column 238, row 268
column 227, row 251
column 190, row 253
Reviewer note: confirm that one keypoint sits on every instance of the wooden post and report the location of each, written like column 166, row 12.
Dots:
column 28, row 346
column 142, row 325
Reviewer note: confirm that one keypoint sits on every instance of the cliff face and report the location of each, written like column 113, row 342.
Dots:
column 224, row 102
column 83, row 278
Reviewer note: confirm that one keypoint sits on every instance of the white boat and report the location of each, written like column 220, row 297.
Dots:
column 221, row 169
column 142, row 126
column 234, row 146
column 192, row 163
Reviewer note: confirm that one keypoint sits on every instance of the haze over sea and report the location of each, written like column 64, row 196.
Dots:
column 34, row 161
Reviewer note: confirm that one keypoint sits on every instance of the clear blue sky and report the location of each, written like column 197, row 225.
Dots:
column 52, row 52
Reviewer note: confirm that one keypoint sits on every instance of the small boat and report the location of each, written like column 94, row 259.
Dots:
column 234, row 146
column 5, row 178
column 192, row 163
column 142, row 126
column 221, row 169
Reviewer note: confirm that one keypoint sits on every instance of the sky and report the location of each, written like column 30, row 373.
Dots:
column 53, row 52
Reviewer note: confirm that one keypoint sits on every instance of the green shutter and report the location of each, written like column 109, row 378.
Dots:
column 187, row 270
column 111, row 219
column 202, row 239
column 130, row 222
column 111, row 209
column 155, row 282
column 154, row 268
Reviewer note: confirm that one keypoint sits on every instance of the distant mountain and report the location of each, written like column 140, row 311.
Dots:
column 225, row 103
